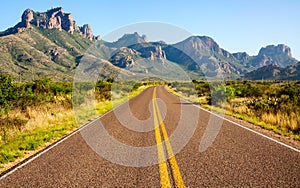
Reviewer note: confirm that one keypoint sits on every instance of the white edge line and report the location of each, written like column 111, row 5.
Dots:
column 87, row 124
column 235, row 123
column 35, row 156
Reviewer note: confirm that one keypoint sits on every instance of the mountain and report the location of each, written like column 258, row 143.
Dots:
column 203, row 54
column 275, row 72
column 146, row 60
column 280, row 55
column 48, row 44
column 53, row 18
column 51, row 44
column 242, row 57
column 125, row 57
column 128, row 40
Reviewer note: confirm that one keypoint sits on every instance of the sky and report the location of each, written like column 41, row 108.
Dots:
column 236, row 25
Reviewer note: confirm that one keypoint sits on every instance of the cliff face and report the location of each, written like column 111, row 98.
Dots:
column 53, row 18
column 272, row 50
column 154, row 52
column 124, row 58
column 86, row 31
column 202, row 53
column 280, row 55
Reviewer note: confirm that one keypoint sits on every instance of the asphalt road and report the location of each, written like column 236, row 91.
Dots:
column 139, row 144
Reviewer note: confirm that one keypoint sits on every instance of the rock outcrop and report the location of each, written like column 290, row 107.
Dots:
column 86, row 31
column 27, row 17
column 124, row 58
column 54, row 18
column 203, row 54
column 154, row 53
column 280, row 55
column 274, row 50
column 129, row 39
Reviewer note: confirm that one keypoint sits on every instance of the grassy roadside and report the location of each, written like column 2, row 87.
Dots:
column 56, row 124
column 249, row 118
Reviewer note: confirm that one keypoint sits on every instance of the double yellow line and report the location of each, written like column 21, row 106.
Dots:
column 162, row 161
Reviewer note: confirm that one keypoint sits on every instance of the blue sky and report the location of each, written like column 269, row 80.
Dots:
column 235, row 25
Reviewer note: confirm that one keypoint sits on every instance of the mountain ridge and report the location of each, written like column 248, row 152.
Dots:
column 52, row 18
column 51, row 43
column 275, row 72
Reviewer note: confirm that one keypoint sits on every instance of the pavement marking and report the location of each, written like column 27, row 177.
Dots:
column 43, row 151
column 27, row 161
column 174, row 166
column 242, row 126
column 163, row 169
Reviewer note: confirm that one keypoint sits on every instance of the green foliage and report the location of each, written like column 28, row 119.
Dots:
column 7, row 94
column 103, row 90
column 22, row 142
column 74, row 43
column 15, row 141
column 21, row 95
column 271, row 102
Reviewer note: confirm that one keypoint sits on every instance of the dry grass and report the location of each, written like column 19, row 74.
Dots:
column 44, row 116
column 283, row 123
column 45, row 124
column 240, row 109
column 32, row 118
column 291, row 121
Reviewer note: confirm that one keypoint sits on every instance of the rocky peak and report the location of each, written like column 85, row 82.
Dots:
column 243, row 57
column 86, row 31
column 55, row 10
column 203, row 44
column 54, row 18
column 130, row 39
column 271, row 50
column 210, row 43
column 27, row 17
column 280, row 54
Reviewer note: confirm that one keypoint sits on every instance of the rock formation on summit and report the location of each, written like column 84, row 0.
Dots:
column 53, row 18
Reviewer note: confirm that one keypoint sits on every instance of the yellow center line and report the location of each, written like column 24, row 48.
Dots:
column 163, row 170
column 174, row 166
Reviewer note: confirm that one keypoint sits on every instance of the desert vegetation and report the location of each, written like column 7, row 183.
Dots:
column 38, row 112
column 35, row 113
column 274, row 105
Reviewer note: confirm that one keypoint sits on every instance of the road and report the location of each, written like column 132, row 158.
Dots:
column 237, row 157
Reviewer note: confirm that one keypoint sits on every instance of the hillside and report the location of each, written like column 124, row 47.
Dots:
column 275, row 72
column 40, row 52
column 43, row 45
column 202, row 53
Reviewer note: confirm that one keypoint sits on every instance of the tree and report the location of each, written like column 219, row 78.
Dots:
column 7, row 94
